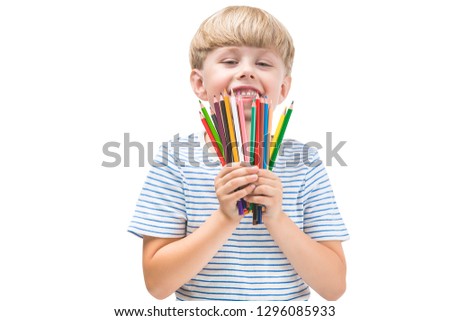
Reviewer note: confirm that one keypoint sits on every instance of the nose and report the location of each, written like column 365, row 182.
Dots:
column 246, row 71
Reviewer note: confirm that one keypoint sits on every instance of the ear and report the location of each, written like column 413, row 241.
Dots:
column 197, row 84
column 285, row 87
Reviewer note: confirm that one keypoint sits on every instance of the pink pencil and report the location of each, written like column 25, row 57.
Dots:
column 243, row 129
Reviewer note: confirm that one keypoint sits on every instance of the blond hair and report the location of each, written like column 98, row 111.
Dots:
column 241, row 26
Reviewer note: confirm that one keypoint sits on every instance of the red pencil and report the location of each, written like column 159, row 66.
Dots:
column 211, row 137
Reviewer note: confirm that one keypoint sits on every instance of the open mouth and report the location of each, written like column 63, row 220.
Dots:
column 247, row 92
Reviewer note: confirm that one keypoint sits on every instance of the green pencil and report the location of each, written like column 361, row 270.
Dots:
column 252, row 134
column 211, row 126
column 273, row 157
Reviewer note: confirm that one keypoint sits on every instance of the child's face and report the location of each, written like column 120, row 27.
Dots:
column 246, row 70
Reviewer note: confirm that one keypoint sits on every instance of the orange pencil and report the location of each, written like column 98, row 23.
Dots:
column 226, row 98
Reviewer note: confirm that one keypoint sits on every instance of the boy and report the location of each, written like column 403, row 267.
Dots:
column 194, row 241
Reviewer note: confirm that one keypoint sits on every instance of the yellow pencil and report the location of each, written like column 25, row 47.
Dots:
column 269, row 132
column 226, row 98
column 277, row 132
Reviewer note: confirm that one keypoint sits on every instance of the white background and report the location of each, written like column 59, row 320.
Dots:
column 77, row 74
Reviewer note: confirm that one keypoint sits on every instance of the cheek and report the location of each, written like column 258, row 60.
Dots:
column 216, row 83
column 276, row 88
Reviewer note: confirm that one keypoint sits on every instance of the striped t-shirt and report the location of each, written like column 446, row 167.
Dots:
column 178, row 196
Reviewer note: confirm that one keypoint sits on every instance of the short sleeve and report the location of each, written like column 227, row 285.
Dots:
column 160, row 209
column 322, row 220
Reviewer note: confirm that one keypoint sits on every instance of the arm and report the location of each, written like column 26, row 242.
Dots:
column 321, row 264
column 170, row 263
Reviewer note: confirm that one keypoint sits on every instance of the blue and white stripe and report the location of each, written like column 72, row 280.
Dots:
column 176, row 200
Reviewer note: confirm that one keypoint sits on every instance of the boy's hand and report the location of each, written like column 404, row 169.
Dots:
column 234, row 182
column 268, row 192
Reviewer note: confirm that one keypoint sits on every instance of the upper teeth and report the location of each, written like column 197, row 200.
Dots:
column 246, row 92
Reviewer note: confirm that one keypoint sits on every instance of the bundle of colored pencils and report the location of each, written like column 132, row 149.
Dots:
column 227, row 131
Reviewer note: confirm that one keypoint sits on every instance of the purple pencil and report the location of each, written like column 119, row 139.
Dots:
column 220, row 128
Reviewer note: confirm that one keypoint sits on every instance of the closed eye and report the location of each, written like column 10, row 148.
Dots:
column 230, row 62
column 263, row 64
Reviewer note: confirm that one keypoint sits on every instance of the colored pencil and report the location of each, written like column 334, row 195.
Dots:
column 243, row 130
column 261, row 133
column 264, row 144
column 257, row 132
column 256, row 152
column 266, row 132
column 211, row 137
column 223, row 112
column 214, row 120
column 269, row 132
column 226, row 98
column 216, row 124
column 252, row 133
column 280, row 138
column 237, row 127
column 231, row 110
column 220, row 129
column 226, row 128
column 211, row 126
column 277, row 132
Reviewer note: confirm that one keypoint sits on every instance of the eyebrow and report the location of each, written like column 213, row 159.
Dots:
column 229, row 49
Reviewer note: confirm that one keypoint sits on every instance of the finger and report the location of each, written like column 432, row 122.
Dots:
column 267, row 174
column 239, row 172
column 241, row 193
column 229, row 168
column 268, row 181
column 257, row 199
column 265, row 190
column 236, row 183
